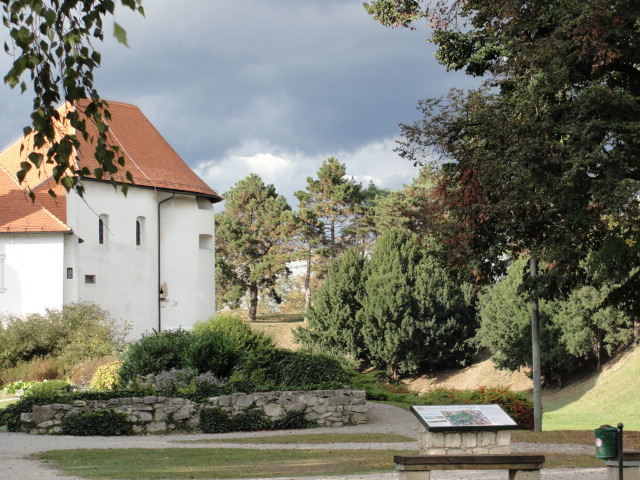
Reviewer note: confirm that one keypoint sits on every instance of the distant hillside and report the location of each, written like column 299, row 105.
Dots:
column 609, row 397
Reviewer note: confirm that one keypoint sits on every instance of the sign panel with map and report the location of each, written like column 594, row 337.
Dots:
column 463, row 417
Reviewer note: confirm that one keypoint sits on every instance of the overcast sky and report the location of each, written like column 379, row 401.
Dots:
column 272, row 87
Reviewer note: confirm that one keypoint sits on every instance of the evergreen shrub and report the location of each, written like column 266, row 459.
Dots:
column 209, row 351
column 97, row 422
column 236, row 332
column 48, row 388
column 154, row 353
column 215, row 420
column 287, row 370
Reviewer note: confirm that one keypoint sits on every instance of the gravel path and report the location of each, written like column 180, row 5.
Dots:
column 15, row 448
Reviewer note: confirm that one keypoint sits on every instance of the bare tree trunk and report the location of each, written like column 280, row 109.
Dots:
column 253, row 301
column 535, row 352
column 307, row 286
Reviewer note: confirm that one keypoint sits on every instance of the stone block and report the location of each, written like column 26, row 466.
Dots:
column 320, row 409
column 357, row 408
column 242, row 400
column 155, row 427
column 182, row 414
column 359, row 418
column 481, row 450
column 144, row 416
column 438, row 440
column 159, row 414
column 436, row 451
column 452, row 440
column 488, row 439
column 26, row 417
column 273, row 410
column 469, row 440
column 42, row 413
column 79, row 403
column 150, row 399
column 503, row 438
column 294, row 406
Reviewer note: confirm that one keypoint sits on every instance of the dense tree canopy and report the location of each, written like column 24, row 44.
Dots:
column 546, row 154
column 51, row 43
column 399, row 311
column 253, row 236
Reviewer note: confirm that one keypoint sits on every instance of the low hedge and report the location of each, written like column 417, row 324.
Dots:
column 98, row 422
column 215, row 420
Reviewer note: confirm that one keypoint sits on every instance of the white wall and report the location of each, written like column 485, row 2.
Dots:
column 187, row 269
column 125, row 274
column 33, row 272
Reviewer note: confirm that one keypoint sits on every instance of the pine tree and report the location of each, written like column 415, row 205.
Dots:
column 414, row 315
column 253, row 236
column 332, row 323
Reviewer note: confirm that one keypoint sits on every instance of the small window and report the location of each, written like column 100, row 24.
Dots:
column 89, row 279
column 206, row 242
column 103, row 228
column 204, row 203
column 140, row 231
column 69, row 273
column 2, row 289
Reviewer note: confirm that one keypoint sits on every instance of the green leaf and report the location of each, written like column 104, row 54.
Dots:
column 67, row 183
column 120, row 34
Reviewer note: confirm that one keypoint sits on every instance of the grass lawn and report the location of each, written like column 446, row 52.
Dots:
column 607, row 398
column 197, row 463
column 313, row 438
column 178, row 463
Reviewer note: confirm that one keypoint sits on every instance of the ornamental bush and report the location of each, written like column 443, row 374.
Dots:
column 154, row 353
column 236, row 332
column 77, row 332
column 107, row 377
column 97, row 422
column 48, row 388
column 287, row 370
column 210, row 351
column 216, row 420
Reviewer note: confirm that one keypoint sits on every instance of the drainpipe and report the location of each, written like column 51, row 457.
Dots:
column 159, row 252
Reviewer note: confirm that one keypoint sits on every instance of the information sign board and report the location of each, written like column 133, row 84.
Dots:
column 463, row 417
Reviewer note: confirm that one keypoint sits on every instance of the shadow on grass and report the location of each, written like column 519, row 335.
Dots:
column 280, row 318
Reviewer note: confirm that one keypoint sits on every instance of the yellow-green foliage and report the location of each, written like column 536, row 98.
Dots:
column 107, row 377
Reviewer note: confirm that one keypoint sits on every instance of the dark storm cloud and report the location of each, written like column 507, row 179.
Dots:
column 225, row 80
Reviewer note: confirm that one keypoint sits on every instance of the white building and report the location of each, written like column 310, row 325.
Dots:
column 148, row 258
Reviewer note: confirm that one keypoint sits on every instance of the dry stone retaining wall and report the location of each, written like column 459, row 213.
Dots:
column 155, row 414
column 472, row 442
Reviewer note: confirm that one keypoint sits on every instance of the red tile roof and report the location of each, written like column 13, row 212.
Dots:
column 148, row 157
column 19, row 214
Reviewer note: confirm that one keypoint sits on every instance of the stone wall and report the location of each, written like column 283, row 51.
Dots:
column 157, row 414
column 474, row 442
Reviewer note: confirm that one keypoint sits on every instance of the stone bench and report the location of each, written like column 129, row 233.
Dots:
column 419, row 467
column 630, row 466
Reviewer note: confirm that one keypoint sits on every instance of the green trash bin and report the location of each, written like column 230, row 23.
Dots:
column 606, row 442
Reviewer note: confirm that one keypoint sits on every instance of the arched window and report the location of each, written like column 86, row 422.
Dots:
column 206, row 242
column 140, row 231
column 204, row 203
column 103, row 228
